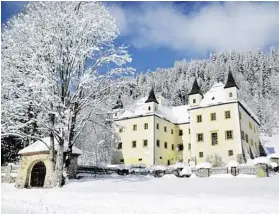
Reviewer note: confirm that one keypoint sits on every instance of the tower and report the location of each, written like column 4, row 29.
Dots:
column 195, row 95
column 231, row 88
column 151, row 102
column 117, row 108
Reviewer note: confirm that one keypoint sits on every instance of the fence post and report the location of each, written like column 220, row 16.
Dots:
column 8, row 170
column 266, row 167
column 233, row 171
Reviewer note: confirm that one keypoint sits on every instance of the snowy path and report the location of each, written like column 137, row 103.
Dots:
column 148, row 195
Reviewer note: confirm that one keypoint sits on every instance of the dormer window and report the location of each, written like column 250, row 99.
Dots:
column 230, row 94
column 194, row 100
column 149, row 108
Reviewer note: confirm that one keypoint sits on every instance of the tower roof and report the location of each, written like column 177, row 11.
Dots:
column 119, row 104
column 195, row 88
column 151, row 97
column 230, row 81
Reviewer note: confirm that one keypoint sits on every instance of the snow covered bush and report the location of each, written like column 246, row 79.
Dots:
column 215, row 160
column 232, row 163
column 262, row 160
column 204, row 165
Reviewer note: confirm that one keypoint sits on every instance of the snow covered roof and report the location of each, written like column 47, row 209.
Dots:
column 39, row 146
column 177, row 114
column 215, row 95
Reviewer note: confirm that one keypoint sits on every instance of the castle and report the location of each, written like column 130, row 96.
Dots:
column 214, row 124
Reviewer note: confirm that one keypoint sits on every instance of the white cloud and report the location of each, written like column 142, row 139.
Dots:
column 237, row 26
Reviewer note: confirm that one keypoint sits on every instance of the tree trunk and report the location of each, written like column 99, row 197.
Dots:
column 59, row 166
column 51, row 151
column 71, row 138
column 58, row 178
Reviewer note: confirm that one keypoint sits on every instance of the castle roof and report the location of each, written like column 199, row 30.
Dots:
column 230, row 81
column 177, row 114
column 195, row 88
column 216, row 95
column 39, row 146
column 151, row 97
column 119, row 104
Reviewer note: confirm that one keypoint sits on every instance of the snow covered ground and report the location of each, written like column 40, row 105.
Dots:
column 144, row 194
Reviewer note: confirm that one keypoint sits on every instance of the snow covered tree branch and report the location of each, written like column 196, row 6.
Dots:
column 61, row 57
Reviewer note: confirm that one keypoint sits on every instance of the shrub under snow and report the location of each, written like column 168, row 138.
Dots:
column 273, row 155
column 204, row 165
column 262, row 160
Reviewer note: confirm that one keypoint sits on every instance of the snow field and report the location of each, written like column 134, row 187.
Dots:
column 146, row 194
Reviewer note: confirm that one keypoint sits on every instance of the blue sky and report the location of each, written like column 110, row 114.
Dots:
column 159, row 33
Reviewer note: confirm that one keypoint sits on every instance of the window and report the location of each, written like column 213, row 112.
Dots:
column 250, row 125
column 172, row 131
column 230, row 94
column 242, row 135
column 246, row 138
column 121, row 160
column 201, row 154
column 194, row 100
column 227, row 114
column 119, row 146
column 155, row 109
column 252, row 142
column 254, row 130
column 158, row 143
column 165, row 129
column 135, row 127
column 214, row 138
column 115, row 114
column 230, row 152
column 121, row 130
column 229, row 135
column 180, row 132
column 157, row 126
column 166, row 145
column 145, row 143
column 140, row 159
column 172, row 146
column 134, row 144
column 189, row 131
column 160, row 157
column 200, row 137
column 189, row 146
column 199, row 118
column 213, row 116
column 149, row 108
column 240, row 116
column 180, row 147
column 146, row 126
